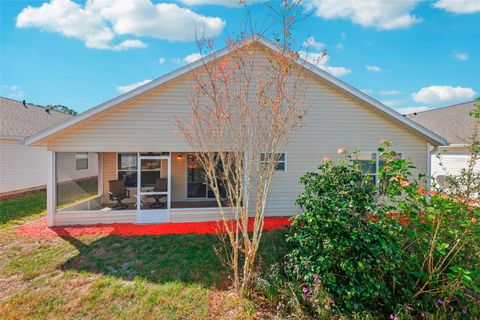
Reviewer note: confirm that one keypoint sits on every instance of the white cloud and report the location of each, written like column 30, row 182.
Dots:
column 389, row 92
column 320, row 60
column 443, row 94
column 410, row 110
column 130, row 87
column 458, row 6
column 162, row 20
column 127, row 44
column 314, row 45
column 225, row 3
column 379, row 14
column 162, row 60
column 336, row 71
column 462, row 56
column 99, row 22
column 192, row 57
column 12, row 91
column 374, row 68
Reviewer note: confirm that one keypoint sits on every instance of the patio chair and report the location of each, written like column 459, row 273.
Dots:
column 118, row 192
column 160, row 186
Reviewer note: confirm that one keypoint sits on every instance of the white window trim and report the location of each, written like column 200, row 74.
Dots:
column 187, row 198
column 117, row 170
column 76, row 163
column 139, row 159
column 281, row 161
column 377, row 162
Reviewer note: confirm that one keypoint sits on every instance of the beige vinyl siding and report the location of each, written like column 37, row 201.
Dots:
column 130, row 216
column 109, row 172
column 145, row 124
column 179, row 177
column 66, row 167
column 335, row 119
column 21, row 167
column 93, row 217
column 453, row 160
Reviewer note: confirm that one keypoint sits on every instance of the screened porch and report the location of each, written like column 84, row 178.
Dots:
column 136, row 187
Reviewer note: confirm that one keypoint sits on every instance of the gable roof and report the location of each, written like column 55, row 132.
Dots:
column 451, row 122
column 18, row 121
column 369, row 101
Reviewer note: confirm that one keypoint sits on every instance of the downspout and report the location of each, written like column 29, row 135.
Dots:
column 430, row 149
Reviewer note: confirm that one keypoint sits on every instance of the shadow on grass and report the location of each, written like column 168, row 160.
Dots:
column 159, row 259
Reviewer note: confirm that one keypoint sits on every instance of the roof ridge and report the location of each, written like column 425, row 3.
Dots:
column 35, row 105
column 443, row 107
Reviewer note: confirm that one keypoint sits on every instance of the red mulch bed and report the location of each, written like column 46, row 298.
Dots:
column 38, row 228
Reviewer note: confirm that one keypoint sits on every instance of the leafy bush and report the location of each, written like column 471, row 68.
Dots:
column 343, row 240
column 386, row 249
column 391, row 248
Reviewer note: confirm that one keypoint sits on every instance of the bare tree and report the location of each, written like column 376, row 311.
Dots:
column 246, row 104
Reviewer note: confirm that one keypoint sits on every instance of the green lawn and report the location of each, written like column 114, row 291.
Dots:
column 112, row 277
column 73, row 191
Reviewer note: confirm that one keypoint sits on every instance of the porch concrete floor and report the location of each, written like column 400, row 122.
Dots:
column 175, row 204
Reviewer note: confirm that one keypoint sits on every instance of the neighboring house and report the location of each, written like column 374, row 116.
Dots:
column 24, row 169
column 455, row 124
column 138, row 127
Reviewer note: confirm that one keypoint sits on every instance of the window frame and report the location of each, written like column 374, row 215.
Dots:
column 139, row 163
column 377, row 162
column 187, row 198
column 84, row 159
column 284, row 161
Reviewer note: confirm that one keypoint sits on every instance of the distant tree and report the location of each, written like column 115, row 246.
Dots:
column 62, row 108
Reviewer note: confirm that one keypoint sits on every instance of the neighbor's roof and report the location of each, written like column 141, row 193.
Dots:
column 18, row 121
column 369, row 101
column 451, row 122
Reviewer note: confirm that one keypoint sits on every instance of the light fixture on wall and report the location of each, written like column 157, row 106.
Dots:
column 179, row 157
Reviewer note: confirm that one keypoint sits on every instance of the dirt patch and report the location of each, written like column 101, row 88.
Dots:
column 227, row 305
column 11, row 285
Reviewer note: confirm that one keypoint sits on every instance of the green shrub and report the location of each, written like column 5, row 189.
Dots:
column 390, row 248
column 343, row 240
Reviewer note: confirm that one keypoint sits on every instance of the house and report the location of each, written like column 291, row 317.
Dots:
column 137, row 141
column 455, row 124
column 24, row 169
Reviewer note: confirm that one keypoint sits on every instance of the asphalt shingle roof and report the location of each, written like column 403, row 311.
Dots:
column 452, row 122
column 18, row 120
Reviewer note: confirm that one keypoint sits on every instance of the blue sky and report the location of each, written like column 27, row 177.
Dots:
column 409, row 54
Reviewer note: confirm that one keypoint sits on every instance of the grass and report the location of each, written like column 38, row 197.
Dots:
column 73, row 191
column 112, row 277
column 17, row 210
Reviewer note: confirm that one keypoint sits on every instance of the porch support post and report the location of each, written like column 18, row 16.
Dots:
column 139, row 173
column 429, row 165
column 169, row 187
column 51, row 188
column 100, row 174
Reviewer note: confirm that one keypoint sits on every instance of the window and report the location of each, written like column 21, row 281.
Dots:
column 151, row 169
column 196, row 181
column 81, row 160
column 127, row 169
column 370, row 163
column 280, row 158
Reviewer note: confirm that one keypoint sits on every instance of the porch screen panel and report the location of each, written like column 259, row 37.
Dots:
column 75, row 183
